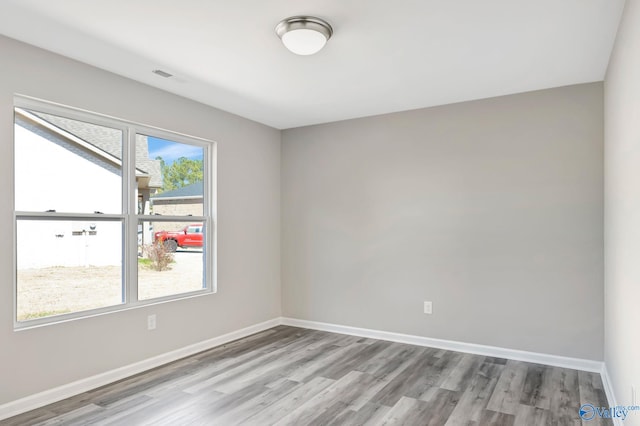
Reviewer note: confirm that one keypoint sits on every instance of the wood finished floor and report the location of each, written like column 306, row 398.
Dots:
column 293, row 376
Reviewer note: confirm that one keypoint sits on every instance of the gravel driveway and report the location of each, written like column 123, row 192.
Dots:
column 58, row 290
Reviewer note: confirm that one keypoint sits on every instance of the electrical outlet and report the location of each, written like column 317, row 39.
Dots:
column 428, row 307
column 151, row 322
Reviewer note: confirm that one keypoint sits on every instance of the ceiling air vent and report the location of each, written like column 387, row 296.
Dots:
column 162, row 73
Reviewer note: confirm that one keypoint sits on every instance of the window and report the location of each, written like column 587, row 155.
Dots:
column 108, row 214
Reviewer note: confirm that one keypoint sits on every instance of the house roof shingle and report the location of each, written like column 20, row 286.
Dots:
column 109, row 140
column 192, row 191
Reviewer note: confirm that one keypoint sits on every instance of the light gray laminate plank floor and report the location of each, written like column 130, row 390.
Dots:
column 294, row 376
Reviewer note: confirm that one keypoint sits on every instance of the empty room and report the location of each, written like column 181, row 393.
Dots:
column 320, row 212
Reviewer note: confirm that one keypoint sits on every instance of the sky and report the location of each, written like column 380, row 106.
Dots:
column 171, row 151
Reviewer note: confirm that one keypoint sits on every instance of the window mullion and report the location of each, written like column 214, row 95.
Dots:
column 131, row 222
column 167, row 218
column 68, row 216
column 210, row 207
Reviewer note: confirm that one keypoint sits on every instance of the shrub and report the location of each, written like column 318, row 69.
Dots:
column 159, row 256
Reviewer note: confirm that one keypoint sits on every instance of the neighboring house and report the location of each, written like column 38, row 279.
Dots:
column 183, row 201
column 74, row 167
column 179, row 202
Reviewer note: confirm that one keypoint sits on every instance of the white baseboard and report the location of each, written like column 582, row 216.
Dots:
column 41, row 399
column 608, row 390
column 472, row 348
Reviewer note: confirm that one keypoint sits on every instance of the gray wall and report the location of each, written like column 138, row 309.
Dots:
column 248, row 228
column 491, row 209
column 622, row 210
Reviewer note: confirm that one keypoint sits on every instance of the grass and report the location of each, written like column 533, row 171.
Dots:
column 148, row 263
column 41, row 314
column 143, row 261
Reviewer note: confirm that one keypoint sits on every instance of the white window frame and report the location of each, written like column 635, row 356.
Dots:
column 128, row 216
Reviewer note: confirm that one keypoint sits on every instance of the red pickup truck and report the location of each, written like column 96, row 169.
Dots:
column 189, row 236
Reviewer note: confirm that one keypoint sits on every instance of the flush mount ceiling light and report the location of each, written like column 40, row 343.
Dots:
column 304, row 35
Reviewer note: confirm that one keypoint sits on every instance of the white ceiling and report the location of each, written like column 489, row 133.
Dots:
column 384, row 55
